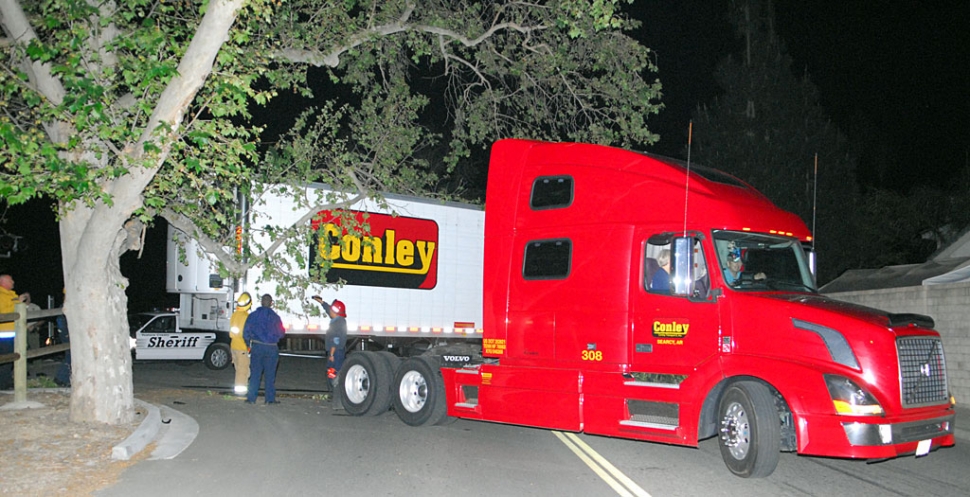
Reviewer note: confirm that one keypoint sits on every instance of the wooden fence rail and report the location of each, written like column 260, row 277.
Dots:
column 20, row 317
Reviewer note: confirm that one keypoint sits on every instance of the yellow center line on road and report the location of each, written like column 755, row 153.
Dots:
column 613, row 477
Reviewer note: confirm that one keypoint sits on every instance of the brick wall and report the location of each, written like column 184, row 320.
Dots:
column 948, row 305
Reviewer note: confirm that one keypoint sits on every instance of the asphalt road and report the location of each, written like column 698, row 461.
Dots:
column 303, row 447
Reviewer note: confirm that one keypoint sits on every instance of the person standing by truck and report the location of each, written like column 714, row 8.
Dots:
column 240, row 353
column 263, row 331
column 62, row 377
column 336, row 343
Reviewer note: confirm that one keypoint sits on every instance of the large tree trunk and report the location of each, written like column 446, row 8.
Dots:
column 94, row 237
column 92, row 241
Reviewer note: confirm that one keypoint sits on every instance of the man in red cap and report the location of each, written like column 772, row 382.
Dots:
column 336, row 344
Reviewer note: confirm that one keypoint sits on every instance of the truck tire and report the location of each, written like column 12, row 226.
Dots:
column 365, row 384
column 420, row 392
column 750, row 430
column 392, row 361
column 217, row 356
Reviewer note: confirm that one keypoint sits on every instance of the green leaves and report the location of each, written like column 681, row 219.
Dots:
column 379, row 96
column 577, row 16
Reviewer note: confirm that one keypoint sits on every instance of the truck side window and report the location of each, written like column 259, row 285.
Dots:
column 702, row 280
column 656, row 265
column 675, row 265
column 551, row 192
column 547, row 259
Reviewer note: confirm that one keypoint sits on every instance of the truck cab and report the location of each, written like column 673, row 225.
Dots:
column 732, row 342
column 158, row 336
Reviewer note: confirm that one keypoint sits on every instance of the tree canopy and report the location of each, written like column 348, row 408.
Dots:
column 122, row 110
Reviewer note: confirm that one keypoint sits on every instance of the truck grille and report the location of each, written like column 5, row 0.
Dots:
column 922, row 371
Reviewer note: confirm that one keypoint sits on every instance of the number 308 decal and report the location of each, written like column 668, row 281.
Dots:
column 592, row 355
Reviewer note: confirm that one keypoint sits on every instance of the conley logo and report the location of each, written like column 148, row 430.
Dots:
column 670, row 328
column 397, row 252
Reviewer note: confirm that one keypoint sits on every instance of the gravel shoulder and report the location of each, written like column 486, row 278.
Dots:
column 43, row 453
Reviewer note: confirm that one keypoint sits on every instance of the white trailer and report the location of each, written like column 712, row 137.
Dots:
column 413, row 282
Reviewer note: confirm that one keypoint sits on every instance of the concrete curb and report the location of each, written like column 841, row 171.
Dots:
column 173, row 430
column 178, row 431
column 142, row 436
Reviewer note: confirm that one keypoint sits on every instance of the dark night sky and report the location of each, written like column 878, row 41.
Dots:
column 893, row 75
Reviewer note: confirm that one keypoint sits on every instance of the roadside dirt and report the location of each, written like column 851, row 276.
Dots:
column 42, row 453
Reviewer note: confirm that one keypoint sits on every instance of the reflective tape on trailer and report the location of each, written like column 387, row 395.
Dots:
column 460, row 329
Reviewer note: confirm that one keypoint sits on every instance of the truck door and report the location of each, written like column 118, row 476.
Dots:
column 675, row 316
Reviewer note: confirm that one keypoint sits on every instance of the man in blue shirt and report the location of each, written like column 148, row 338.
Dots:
column 732, row 273
column 733, row 270
column 263, row 331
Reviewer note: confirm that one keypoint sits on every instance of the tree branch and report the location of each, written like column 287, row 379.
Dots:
column 193, row 69
column 237, row 267
column 19, row 30
column 332, row 58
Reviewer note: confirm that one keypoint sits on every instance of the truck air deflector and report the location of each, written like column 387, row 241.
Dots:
column 910, row 320
column 834, row 341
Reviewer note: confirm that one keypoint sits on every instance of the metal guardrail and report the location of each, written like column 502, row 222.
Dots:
column 20, row 317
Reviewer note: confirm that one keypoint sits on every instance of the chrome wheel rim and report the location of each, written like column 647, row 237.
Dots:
column 736, row 431
column 357, row 384
column 413, row 391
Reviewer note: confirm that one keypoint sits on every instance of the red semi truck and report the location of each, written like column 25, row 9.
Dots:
column 633, row 296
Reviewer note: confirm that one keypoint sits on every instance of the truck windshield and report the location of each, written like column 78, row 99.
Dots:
column 751, row 261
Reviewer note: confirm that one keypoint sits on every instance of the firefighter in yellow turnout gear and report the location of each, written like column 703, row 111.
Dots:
column 240, row 353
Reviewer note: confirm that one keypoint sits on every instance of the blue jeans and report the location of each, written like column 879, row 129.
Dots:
column 6, row 369
column 263, row 359
column 336, row 364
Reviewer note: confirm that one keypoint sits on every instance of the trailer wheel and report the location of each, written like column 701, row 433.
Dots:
column 420, row 393
column 392, row 361
column 217, row 356
column 750, row 430
column 365, row 384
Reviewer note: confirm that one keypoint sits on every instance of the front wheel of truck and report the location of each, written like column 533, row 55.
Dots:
column 420, row 392
column 750, row 430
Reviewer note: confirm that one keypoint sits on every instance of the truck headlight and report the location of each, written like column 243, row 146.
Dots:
column 850, row 399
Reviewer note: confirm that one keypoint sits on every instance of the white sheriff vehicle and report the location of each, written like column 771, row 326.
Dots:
column 157, row 335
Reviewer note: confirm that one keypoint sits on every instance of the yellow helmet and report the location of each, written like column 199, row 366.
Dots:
column 244, row 302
